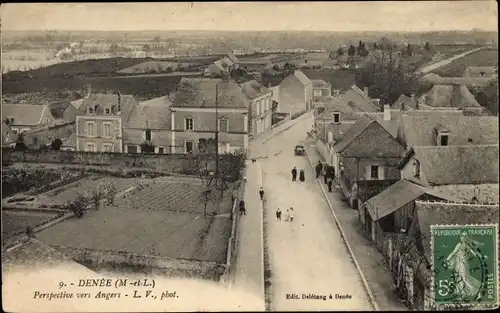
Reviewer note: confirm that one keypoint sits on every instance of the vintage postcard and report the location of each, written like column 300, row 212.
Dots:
column 250, row 156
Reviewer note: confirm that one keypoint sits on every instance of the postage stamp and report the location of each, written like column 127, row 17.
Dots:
column 465, row 265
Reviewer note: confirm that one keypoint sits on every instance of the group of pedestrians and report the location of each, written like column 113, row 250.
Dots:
column 288, row 215
column 302, row 175
column 328, row 173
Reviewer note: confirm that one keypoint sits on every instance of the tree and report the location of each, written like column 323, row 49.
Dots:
column 352, row 51
column 340, row 51
column 113, row 48
column 78, row 206
column 389, row 74
column 427, row 46
column 20, row 145
column 56, row 144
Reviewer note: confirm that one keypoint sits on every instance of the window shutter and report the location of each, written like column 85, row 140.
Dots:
column 381, row 172
column 368, row 171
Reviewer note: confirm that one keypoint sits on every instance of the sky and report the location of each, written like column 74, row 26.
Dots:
column 252, row 16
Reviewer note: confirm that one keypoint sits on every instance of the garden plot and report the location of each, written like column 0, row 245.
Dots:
column 14, row 222
column 176, row 195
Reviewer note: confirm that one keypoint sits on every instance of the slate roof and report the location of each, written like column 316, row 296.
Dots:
column 200, row 92
column 77, row 103
column 355, row 98
column 338, row 129
column 476, row 71
column 253, row 89
column 319, row 83
column 354, row 131
column 404, row 102
column 302, row 78
column 456, row 96
column 432, row 213
column 127, row 103
column 153, row 114
column 419, row 130
column 24, row 114
column 8, row 135
column 338, row 105
column 452, row 165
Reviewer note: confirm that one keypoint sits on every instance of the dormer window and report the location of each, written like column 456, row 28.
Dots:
column 107, row 111
column 416, row 169
column 443, row 139
column 91, row 110
column 336, row 117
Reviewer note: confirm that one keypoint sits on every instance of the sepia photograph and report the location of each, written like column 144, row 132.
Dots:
column 250, row 156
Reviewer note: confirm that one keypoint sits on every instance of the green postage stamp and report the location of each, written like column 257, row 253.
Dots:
column 465, row 265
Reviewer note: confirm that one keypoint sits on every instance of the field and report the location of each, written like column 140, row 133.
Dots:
column 157, row 67
column 16, row 222
column 450, row 50
column 165, row 217
column 485, row 57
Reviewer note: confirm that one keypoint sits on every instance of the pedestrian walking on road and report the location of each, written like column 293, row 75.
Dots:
column 287, row 215
column 330, row 183
column 243, row 211
column 325, row 173
column 319, row 168
column 290, row 214
column 278, row 214
column 294, row 173
column 261, row 193
column 302, row 176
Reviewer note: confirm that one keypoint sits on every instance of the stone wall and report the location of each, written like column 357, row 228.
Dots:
column 175, row 163
column 156, row 265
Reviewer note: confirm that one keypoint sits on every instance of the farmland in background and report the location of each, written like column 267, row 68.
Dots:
column 485, row 57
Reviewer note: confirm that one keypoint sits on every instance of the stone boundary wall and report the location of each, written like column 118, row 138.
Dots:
column 152, row 264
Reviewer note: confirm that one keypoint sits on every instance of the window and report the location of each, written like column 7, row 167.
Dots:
column 90, row 129
column 147, row 134
column 317, row 92
column 223, row 125
column 131, row 149
column 90, row 147
column 107, row 111
column 336, row 117
column 106, row 147
column 416, row 169
column 188, row 147
column 443, row 140
column 161, row 150
column 188, row 124
column 106, row 130
column 374, row 172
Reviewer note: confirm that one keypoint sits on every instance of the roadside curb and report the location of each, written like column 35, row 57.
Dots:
column 363, row 279
column 263, row 241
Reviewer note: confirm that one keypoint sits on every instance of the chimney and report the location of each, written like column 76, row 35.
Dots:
column 455, row 96
column 365, row 92
column 387, row 112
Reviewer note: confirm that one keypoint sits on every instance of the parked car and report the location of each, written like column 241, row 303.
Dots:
column 299, row 150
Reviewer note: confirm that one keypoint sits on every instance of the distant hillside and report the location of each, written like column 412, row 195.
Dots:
column 151, row 67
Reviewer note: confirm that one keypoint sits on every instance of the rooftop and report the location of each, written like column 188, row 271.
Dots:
column 24, row 114
column 319, row 83
column 355, row 97
column 200, row 92
column 302, row 78
column 452, row 165
column 152, row 114
column 435, row 213
column 419, row 130
column 456, row 96
column 253, row 89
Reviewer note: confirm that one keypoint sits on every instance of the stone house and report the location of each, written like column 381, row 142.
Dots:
column 148, row 127
column 260, row 107
column 296, row 94
column 223, row 66
column 466, row 172
column 25, row 117
column 368, row 156
column 99, row 122
column 194, row 115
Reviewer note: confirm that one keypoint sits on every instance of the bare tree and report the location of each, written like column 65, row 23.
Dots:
column 96, row 195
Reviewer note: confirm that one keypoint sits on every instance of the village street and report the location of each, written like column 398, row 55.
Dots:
column 307, row 256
